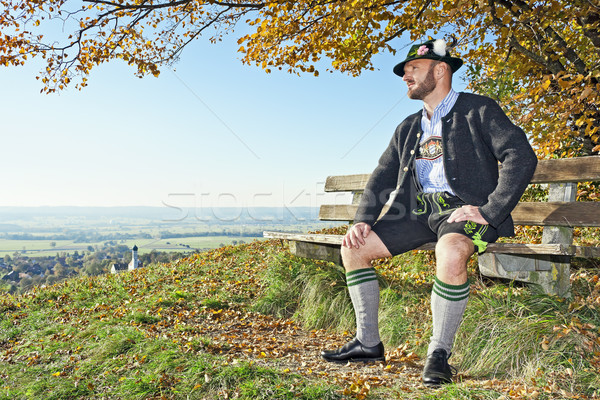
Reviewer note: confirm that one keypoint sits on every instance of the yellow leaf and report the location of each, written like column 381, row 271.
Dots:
column 586, row 92
column 546, row 84
column 545, row 346
column 564, row 84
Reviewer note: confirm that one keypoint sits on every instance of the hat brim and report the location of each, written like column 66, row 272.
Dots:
column 454, row 63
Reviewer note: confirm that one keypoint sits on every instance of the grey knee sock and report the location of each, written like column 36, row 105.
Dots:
column 364, row 292
column 448, row 304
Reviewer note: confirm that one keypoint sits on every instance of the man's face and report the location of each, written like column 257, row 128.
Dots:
column 418, row 75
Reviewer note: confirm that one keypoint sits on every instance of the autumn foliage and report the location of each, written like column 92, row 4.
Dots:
column 540, row 58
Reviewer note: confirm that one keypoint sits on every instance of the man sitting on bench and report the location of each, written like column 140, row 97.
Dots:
column 442, row 166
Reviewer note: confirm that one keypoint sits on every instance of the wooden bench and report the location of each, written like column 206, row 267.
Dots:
column 546, row 264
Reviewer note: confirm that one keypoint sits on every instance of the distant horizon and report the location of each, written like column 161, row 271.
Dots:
column 52, row 215
column 301, row 199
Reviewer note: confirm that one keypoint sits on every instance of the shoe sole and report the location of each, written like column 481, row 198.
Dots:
column 363, row 360
column 437, row 384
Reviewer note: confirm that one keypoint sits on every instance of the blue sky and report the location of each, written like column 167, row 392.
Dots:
column 211, row 133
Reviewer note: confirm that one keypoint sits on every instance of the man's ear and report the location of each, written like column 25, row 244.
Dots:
column 442, row 69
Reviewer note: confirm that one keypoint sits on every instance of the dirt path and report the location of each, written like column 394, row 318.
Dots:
column 282, row 344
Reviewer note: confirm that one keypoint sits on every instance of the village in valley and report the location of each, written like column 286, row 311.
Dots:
column 21, row 273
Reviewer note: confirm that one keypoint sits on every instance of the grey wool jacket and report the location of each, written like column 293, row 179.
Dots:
column 476, row 135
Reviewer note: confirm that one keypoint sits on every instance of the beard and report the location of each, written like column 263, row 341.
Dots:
column 423, row 88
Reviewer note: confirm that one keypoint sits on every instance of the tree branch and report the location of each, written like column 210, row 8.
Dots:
column 553, row 66
column 120, row 6
column 416, row 18
column 195, row 35
column 568, row 51
column 238, row 5
column 590, row 19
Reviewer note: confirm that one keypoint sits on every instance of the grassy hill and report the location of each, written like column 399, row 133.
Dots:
column 249, row 321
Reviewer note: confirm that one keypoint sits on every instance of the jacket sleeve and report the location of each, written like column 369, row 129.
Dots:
column 380, row 185
column 511, row 148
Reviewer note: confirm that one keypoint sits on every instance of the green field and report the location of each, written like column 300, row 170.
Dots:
column 180, row 244
column 43, row 248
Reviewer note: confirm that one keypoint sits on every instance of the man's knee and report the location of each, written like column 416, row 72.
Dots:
column 354, row 258
column 454, row 247
column 452, row 253
column 361, row 257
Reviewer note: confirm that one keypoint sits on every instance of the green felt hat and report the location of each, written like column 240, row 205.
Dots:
column 432, row 50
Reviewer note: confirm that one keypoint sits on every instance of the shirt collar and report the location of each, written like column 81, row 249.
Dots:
column 444, row 106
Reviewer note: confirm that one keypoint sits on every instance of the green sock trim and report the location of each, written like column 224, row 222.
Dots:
column 361, row 281
column 360, row 276
column 450, row 298
column 359, row 271
column 451, row 292
column 452, row 287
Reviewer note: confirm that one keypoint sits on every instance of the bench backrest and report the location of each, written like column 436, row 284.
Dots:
column 555, row 213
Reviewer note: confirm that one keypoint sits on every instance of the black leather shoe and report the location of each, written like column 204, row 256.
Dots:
column 354, row 351
column 437, row 371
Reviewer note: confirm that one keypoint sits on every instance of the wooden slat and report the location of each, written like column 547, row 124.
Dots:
column 525, row 213
column 337, row 212
column 346, row 183
column 580, row 169
column 506, row 248
column 527, row 248
column 302, row 237
column 557, row 213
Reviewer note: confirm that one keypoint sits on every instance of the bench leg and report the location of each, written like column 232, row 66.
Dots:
column 318, row 251
column 551, row 273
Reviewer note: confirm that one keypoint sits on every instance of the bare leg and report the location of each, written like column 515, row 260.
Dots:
column 452, row 252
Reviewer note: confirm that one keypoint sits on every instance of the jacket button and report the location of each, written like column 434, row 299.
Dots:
column 405, row 169
column 412, row 152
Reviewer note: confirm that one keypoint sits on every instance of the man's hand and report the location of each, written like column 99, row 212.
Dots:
column 467, row 213
column 355, row 237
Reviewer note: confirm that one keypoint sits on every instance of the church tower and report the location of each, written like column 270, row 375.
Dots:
column 135, row 262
